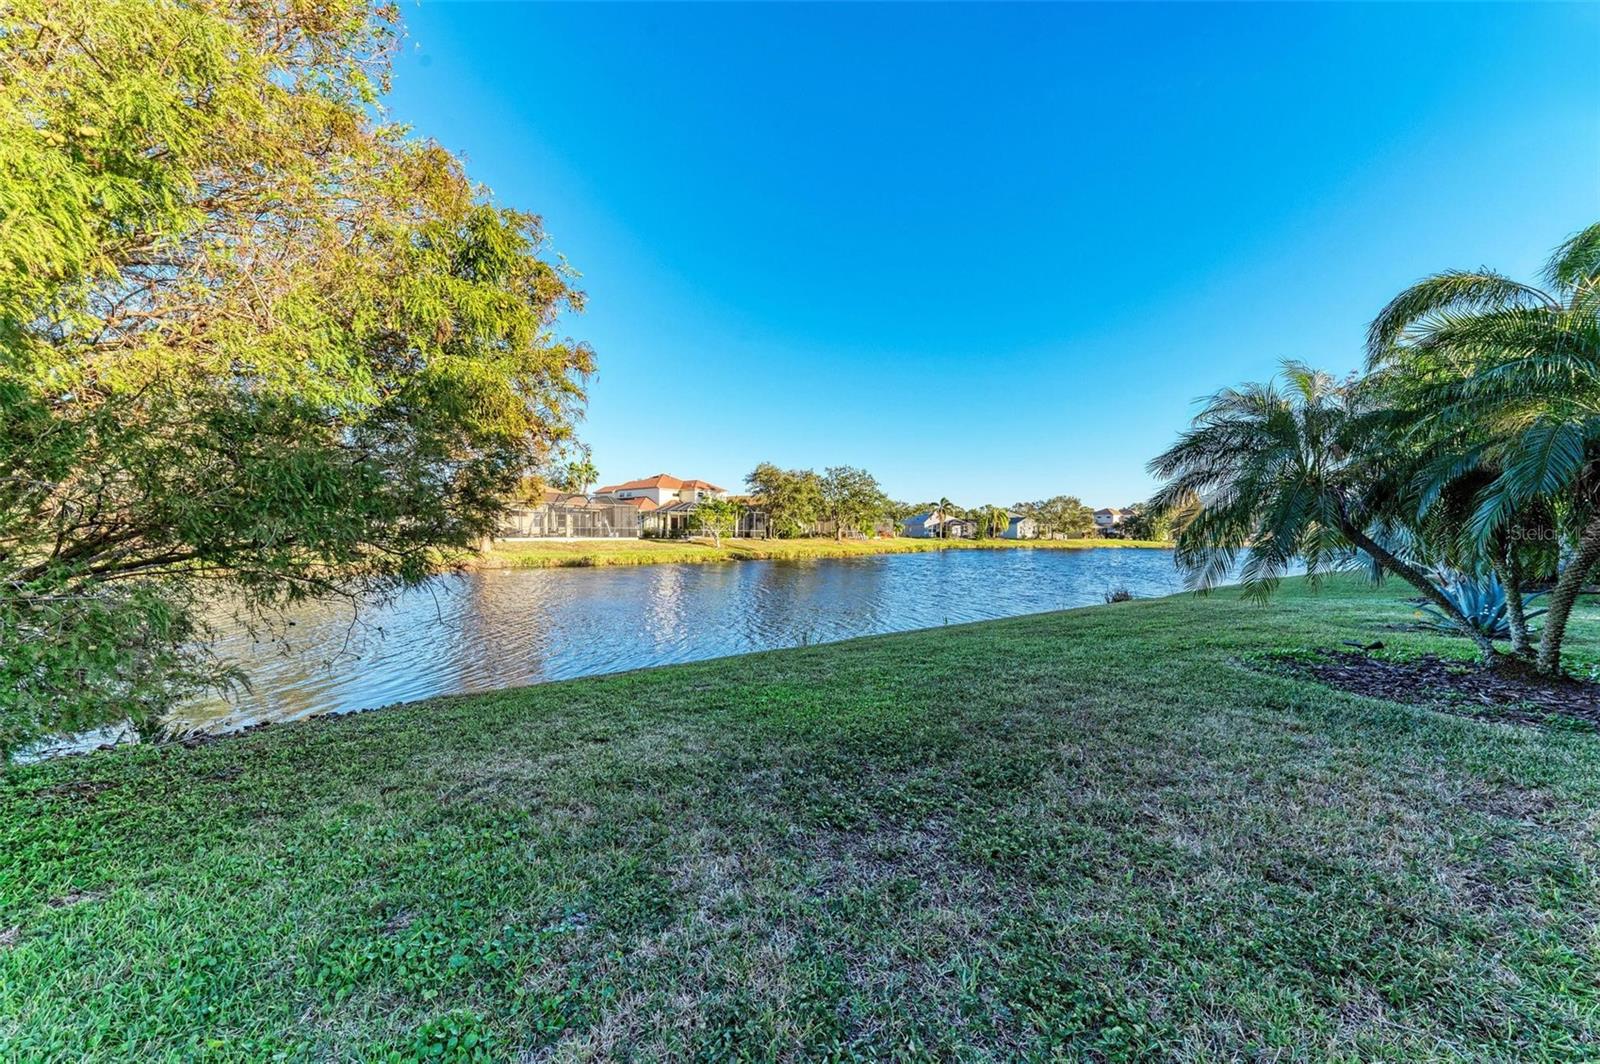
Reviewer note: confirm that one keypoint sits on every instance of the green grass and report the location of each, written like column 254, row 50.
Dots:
column 544, row 554
column 1099, row 834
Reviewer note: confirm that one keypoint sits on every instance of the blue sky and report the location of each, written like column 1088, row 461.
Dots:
column 996, row 252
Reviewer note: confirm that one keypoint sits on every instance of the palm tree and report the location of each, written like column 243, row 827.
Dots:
column 945, row 508
column 578, row 474
column 1280, row 473
column 583, row 474
column 1505, row 384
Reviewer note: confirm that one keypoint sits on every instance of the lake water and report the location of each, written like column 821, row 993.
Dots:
column 499, row 628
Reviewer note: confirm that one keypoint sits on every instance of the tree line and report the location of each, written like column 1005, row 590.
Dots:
column 797, row 501
column 843, row 498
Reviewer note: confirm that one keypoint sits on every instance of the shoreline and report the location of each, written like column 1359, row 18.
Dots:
column 592, row 553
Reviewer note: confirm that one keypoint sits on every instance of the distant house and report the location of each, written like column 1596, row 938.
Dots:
column 960, row 528
column 1106, row 521
column 923, row 526
column 662, row 489
column 1021, row 528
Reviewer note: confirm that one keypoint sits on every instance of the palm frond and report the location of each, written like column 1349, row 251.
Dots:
column 1576, row 261
column 1462, row 339
column 1541, row 463
column 1260, row 472
column 1451, row 291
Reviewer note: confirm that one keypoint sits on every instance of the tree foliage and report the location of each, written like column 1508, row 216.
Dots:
column 1291, row 469
column 992, row 521
column 577, row 473
column 1059, row 516
column 255, row 340
column 716, row 518
column 1497, row 384
column 1471, row 445
column 791, row 498
column 1148, row 523
column 851, row 500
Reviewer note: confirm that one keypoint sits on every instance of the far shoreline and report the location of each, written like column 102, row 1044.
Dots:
column 594, row 553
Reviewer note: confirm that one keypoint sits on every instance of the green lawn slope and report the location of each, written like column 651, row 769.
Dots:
column 1107, row 834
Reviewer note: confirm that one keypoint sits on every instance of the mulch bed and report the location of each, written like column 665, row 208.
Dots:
column 1455, row 687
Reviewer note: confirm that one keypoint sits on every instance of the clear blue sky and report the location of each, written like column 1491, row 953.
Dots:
column 996, row 252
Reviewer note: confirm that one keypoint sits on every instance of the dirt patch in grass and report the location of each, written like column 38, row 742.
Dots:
column 76, row 897
column 1454, row 687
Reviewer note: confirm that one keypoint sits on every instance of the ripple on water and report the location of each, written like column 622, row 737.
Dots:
column 484, row 630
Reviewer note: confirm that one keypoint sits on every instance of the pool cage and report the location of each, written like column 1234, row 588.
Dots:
column 578, row 517
column 572, row 519
column 676, row 521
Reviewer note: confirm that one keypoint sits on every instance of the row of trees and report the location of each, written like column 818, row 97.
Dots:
column 797, row 500
column 1063, row 516
column 1470, row 445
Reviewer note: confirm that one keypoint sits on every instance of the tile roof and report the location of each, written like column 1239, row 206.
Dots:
column 660, row 480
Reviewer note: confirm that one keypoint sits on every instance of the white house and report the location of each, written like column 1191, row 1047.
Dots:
column 923, row 526
column 1107, row 520
column 663, row 490
column 1021, row 528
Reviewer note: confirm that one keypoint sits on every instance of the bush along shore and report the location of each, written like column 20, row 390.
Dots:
column 556, row 553
column 1152, row 829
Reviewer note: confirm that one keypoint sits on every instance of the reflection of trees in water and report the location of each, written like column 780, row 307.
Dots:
column 501, row 628
column 322, row 656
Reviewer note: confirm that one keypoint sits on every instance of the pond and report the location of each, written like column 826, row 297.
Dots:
column 498, row 628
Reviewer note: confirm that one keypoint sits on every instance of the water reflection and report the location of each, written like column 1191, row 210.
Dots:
column 499, row 628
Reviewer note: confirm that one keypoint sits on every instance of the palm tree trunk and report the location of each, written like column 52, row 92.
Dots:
column 1414, row 576
column 1565, row 594
column 1508, row 569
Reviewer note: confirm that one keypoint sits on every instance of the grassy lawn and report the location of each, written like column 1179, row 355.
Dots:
column 541, row 554
column 1102, row 834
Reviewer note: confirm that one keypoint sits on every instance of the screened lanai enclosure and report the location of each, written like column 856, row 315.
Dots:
column 676, row 520
column 559, row 515
column 572, row 517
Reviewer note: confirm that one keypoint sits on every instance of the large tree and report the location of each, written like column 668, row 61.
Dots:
column 791, row 498
column 255, row 340
column 852, row 499
column 1269, row 473
column 1060, row 515
column 1500, row 382
column 1144, row 522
